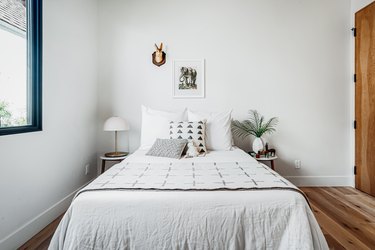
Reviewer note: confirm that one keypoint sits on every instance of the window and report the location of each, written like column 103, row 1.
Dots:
column 20, row 66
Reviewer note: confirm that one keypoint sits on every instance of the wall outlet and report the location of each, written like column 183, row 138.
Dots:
column 87, row 169
column 297, row 164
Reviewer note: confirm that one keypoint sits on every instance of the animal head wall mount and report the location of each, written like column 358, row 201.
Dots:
column 159, row 57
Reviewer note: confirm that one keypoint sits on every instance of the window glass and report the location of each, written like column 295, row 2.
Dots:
column 13, row 64
column 20, row 66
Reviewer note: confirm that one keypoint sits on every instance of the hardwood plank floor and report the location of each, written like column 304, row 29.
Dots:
column 346, row 216
column 41, row 240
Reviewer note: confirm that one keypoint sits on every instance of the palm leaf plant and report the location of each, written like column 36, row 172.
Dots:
column 256, row 126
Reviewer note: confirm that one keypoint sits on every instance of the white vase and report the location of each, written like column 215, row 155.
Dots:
column 258, row 144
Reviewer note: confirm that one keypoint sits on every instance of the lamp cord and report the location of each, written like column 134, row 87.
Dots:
column 116, row 142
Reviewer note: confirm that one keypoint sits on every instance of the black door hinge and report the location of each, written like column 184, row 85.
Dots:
column 355, row 124
column 355, row 170
column 355, row 78
column 354, row 32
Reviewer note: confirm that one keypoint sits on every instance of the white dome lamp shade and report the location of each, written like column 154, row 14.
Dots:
column 115, row 124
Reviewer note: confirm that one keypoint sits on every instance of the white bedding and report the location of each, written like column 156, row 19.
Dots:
column 137, row 218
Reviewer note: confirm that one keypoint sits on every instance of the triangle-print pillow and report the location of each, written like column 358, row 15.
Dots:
column 192, row 131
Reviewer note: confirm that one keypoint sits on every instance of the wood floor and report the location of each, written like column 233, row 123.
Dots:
column 346, row 216
column 41, row 240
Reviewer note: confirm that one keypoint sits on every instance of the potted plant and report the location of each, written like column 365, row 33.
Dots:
column 256, row 126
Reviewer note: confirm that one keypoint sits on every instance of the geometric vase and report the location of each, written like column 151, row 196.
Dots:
column 258, row 144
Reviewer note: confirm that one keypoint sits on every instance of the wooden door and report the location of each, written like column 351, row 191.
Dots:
column 365, row 99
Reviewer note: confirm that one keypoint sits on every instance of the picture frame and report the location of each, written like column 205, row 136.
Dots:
column 188, row 79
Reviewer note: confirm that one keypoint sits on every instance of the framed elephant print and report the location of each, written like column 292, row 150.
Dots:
column 188, row 79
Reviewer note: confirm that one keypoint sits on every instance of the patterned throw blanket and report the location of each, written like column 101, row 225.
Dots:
column 190, row 176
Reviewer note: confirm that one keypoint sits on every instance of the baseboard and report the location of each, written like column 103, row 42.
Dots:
column 322, row 181
column 33, row 226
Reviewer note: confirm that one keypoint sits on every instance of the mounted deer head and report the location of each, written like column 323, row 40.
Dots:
column 159, row 53
column 159, row 56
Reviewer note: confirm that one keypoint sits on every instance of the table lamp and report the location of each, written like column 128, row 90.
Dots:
column 115, row 124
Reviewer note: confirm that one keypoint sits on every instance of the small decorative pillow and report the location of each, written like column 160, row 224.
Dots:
column 167, row 148
column 192, row 131
column 192, row 150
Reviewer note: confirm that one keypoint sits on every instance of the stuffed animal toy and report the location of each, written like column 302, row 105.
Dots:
column 192, row 150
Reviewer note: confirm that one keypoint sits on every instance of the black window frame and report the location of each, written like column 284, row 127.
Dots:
column 34, row 72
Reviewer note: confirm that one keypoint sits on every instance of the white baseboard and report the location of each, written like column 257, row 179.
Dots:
column 321, row 181
column 35, row 225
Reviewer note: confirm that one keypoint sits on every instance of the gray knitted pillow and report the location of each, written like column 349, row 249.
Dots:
column 171, row 148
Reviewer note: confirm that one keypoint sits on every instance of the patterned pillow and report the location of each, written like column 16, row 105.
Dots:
column 192, row 131
column 167, row 148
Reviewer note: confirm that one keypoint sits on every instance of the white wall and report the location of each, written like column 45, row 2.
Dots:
column 289, row 59
column 38, row 170
column 359, row 4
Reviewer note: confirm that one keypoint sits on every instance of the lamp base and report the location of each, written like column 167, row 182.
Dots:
column 116, row 154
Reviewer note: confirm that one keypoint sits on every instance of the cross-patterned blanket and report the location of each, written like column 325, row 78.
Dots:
column 189, row 176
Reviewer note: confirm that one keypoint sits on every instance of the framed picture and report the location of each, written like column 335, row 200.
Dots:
column 188, row 79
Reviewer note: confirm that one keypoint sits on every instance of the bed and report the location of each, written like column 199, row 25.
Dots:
column 225, row 200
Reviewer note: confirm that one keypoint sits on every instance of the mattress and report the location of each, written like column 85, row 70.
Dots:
column 225, row 200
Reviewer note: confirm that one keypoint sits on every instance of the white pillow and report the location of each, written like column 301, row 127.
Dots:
column 155, row 124
column 218, row 128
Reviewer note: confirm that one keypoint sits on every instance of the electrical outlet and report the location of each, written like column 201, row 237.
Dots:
column 297, row 164
column 87, row 169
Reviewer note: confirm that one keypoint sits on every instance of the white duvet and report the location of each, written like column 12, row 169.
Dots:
column 119, row 210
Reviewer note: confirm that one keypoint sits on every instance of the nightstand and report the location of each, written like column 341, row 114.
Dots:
column 271, row 159
column 105, row 159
